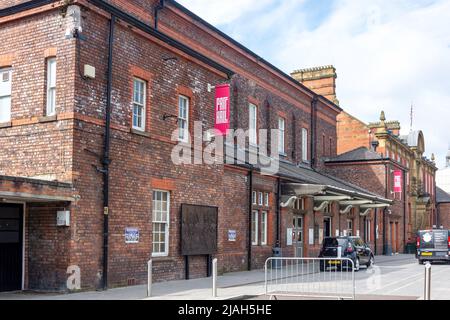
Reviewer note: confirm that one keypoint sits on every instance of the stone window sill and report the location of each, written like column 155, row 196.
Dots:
column 140, row 133
column 6, row 124
column 47, row 119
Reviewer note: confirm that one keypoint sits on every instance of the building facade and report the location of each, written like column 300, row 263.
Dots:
column 96, row 96
column 442, row 208
column 372, row 156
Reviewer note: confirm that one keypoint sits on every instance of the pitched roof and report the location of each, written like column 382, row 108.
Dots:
column 359, row 154
column 442, row 196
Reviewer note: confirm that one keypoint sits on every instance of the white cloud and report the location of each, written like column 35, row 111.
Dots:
column 388, row 54
column 218, row 12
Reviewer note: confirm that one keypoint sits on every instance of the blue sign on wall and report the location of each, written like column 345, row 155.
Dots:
column 231, row 235
column 131, row 235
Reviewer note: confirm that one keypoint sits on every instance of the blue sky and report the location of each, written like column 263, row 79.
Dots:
column 389, row 54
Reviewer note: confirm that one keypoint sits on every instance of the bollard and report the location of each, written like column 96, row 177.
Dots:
column 427, row 289
column 214, row 274
column 149, row 278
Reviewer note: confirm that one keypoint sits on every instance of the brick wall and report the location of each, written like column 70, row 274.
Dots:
column 351, row 133
column 443, row 210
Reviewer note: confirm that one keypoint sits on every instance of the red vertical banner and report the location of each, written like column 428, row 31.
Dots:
column 397, row 181
column 222, row 109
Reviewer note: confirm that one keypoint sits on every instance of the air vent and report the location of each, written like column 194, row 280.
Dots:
column 5, row 76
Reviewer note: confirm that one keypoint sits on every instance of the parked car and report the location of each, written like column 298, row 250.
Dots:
column 433, row 245
column 350, row 247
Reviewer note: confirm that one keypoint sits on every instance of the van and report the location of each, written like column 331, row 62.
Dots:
column 433, row 245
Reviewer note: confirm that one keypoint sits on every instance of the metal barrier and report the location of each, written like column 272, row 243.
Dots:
column 310, row 278
column 214, row 278
column 427, row 285
column 149, row 278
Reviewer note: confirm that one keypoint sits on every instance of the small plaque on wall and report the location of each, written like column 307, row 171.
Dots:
column 232, row 235
column 131, row 235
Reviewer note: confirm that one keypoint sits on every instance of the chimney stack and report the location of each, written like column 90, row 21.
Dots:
column 321, row 80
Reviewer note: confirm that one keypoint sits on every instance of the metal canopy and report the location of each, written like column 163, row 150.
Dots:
column 365, row 213
column 331, row 198
column 375, row 206
column 346, row 209
column 355, row 202
column 29, row 197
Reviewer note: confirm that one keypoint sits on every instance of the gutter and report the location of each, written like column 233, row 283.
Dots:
column 159, row 35
column 254, row 55
column 313, row 131
column 250, row 212
column 29, row 5
column 129, row 19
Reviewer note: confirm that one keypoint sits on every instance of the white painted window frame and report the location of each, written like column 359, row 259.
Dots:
column 167, row 224
column 253, row 124
column 181, row 119
column 264, row 215
column 281, row 135
column 255, row 228
column 51, row 87
column 138, row 104
column 304, row 145
column 7, row 94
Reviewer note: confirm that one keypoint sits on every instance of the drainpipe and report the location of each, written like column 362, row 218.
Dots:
column 387, row 191
column 250, row 210
column 106, row 155
column 159, row 7
column 375, row 226
column 278, row 208
column 313, row 130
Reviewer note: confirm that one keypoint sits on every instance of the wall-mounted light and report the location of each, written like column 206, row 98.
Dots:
column 168, row 116
column 210, row 87
column 170, row 59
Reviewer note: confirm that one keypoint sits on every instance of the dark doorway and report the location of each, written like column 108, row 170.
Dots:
column 11, row 222
column 327, row 227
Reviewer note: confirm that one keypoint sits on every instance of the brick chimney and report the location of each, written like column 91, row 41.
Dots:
column 322, row 80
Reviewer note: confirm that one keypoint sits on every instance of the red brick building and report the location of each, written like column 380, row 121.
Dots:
column 91, row 94
column 442, row 208
column 370, row 155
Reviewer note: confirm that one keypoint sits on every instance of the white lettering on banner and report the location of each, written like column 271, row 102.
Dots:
column 221, row 113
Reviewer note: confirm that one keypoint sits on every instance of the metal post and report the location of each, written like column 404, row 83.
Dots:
column 427, row 289
column 214, row 274
column 149, row 277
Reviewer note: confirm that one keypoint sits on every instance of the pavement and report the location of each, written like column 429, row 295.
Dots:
column 397, row 277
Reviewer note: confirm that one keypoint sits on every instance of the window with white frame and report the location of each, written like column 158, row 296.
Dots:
column 139, row 103
column 299, row 204
column 349, row 227
column 252, row 127
column 281, row 135
column 367, row 231
column 260, row 198
column 160, row 222
column 183, row 118
column 266, row 199
column 304, row 145
column 5, row 95
column 255, row 227
column 254, row 197
column 264, row 228
column 51, row 87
